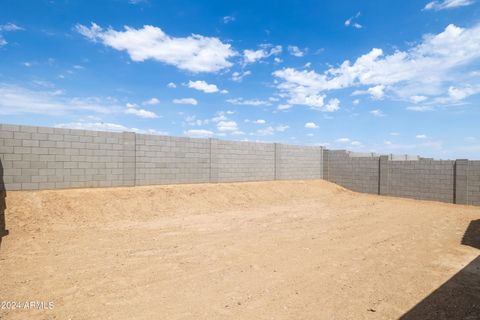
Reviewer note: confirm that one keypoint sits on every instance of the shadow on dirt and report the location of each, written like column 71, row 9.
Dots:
column 3, row 205
column 459, row 297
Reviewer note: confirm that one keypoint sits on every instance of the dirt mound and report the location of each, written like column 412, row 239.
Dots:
column 260, row 250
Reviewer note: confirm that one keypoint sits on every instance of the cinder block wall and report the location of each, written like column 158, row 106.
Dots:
column 298, row 162
column 164, row 159
column 450, row 181
column 467, row 184
column 36, row 158
column 242, row 161
column 48, row 158
column 422, row 179
column 353, row 172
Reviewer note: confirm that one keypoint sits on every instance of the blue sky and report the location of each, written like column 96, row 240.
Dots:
column 377, row 76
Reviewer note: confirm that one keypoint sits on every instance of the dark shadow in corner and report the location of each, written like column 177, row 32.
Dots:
column 3, row 205
column 472, row 235
column 459, row 297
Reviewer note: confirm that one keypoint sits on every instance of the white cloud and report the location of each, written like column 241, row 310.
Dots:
column 228, row 19
column 395, row 134
column 457, row 94
column 376, row 92
column 421, row 136
column 356, row 101
column 251, row 56
column 268, row 131
column 133, row 109
column 343, row 140
column 426, row 69
column 9, row 27
column 151, row 102
column 311, row 125
column 20, row 100
column 447, row 4
column 332, row 105
column 260, row 121
column 238, row 77
column 199, row 133
column 251, row 102
column 191, row 101
column 203, row 86
column 377, row 113
column 284, row 106
column 418, row 99
column 420, row 108
column 223, row 126
column 351, row 23
column 195, row 53
column 295, row 51
column 281, row 128
column 171, row 85
column 106, row 126
column 356, row 143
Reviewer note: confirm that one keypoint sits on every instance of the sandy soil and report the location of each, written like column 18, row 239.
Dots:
column 266, row 250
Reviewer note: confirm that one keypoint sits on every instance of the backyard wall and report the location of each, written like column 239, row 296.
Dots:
column 35, row 158
column 453, row 181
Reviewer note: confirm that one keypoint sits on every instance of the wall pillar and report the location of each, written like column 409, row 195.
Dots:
column 461, row 181
column 325, row 164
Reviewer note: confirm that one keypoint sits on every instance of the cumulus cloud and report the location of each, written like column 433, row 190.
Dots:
column 426, row 69
column 133, row 109
column 311, row 125
column 171, row 85
column 191, row 101
column 203, row 86
column 259, row 121
column 332, row 105
column 421, row 136
column 251, row 56
column 284, row 106
column 195, row 53
column 151, row 102
column 447, row 4
column 343, row 140
column 228, row 126
column 295, row 51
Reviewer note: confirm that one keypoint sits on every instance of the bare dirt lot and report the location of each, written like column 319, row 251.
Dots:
column 263, row 250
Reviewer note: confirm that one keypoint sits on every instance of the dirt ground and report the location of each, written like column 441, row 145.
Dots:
column 261, row 250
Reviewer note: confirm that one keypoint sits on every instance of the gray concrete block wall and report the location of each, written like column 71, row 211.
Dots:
column 298, row 162
column 358, row 173
column 242, row 161
column 420, row 179
column 166, row 160
column 50, row 158
column 467, row 184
